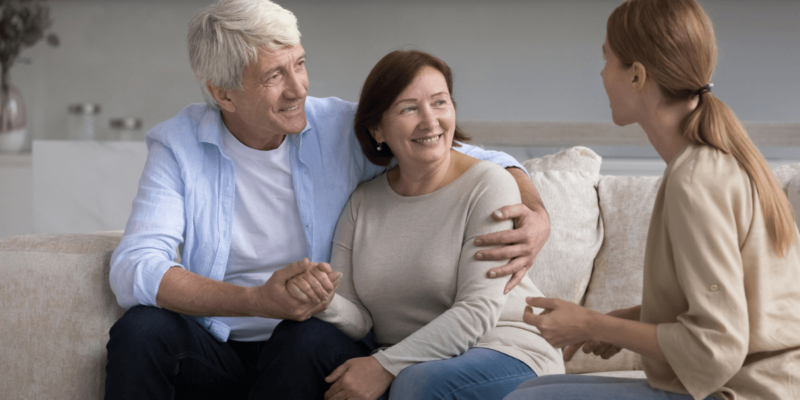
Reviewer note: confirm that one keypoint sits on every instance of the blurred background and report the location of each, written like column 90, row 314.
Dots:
column 524, row 62
column 535, row 60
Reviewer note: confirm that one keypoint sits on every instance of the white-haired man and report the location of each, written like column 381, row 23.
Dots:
column 245, row 186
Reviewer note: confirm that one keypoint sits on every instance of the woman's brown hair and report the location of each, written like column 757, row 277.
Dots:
column 390, row 76
column 675, row 41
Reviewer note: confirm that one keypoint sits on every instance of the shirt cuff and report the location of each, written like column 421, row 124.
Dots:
column 147, row 281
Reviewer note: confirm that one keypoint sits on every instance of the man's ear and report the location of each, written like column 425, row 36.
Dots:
column 639, row 76
column 377, row 134
column 221, row 97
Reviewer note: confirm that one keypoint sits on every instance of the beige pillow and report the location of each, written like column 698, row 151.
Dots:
column 785, row 174
column 626, row 204
column 567, row 182
column 793, row 192
column 789, row 178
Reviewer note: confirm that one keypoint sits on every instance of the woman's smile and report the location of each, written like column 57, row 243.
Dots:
column 428, row 140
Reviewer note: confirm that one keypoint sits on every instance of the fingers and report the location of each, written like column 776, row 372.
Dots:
column 323, row 278
column 337, row 373
column 530, row 318
column 295, row 268
column 591, row 346
column 298, row 294
column 506, row 252
column 502, row 237
column 513, row 266
column 512, row 211
column 610, row 352
column 542, row 302
column 602, row 348
column 571, row 350
column 305, row 285
column 514, row 281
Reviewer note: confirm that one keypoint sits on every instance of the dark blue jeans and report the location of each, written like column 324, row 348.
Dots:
column 158, row 354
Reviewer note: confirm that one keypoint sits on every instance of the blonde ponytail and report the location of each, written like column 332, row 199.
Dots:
column 675, row 41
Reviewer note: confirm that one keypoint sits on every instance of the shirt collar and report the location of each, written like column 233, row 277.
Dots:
column 211, row 129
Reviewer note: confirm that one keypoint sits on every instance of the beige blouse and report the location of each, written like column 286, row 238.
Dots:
column 410, row 272
column 727, row 306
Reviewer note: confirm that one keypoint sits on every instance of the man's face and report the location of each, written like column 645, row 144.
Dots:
column 272, row 99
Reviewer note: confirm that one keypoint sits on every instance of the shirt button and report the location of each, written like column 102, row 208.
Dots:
column 714, row 288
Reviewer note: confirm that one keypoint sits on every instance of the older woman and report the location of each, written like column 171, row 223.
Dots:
column 719, row 315
column 405, row 246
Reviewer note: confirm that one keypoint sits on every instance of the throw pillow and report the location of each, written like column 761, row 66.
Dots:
column 567, row 183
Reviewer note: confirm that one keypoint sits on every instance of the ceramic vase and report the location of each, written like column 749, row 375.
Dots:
column 13, row 132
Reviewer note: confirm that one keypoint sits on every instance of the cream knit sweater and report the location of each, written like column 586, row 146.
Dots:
column 409, row 272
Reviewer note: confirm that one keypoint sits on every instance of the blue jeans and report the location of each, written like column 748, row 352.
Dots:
column 477, row 374
column 158, row 354
column 581, row 387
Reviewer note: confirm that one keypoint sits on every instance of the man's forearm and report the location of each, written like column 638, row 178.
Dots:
column 185, row 292
column 528, row 193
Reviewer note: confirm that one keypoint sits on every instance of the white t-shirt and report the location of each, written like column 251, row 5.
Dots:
column 267, row 231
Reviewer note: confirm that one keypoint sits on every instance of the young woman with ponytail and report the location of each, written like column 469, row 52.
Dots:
column 720, row 313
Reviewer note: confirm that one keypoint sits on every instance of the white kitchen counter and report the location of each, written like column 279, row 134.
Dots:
column 16, row 194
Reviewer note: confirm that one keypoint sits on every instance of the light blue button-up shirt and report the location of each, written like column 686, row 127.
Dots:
column 187, row 193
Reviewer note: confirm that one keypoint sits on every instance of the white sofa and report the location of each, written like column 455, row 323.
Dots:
column 56, row 306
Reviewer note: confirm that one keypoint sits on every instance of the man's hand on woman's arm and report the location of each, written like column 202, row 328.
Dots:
column 188, row 293
column 523, row 244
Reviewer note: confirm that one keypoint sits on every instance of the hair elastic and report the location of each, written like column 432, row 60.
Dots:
column 704, row 89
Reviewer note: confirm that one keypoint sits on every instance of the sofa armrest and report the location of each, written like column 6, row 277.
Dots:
column 56, row 308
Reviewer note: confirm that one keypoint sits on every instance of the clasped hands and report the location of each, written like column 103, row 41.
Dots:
column 562, row 323
column 361, row 378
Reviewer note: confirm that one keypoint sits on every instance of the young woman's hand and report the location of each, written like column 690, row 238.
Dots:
column 361, row 378
column 561, row 323
column 602, row 349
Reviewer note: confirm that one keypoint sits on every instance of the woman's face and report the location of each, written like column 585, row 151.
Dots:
column 420, row 124
column 617, row 81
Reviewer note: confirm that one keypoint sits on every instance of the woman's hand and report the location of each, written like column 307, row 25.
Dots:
column 360, row 378
column 561, row 323
column 603, row 349
column 317, row 284
column 521, row 245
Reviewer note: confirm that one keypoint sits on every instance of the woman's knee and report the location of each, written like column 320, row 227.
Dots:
column 423, row 381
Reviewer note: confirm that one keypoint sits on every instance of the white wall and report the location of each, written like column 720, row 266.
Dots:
column 526, row 60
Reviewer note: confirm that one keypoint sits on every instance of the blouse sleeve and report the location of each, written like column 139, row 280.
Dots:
column 346, row 312
column 708, row 343
column 479, row 300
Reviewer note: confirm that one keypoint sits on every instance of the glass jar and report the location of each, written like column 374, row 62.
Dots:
column 126, row 129
column 81, row 125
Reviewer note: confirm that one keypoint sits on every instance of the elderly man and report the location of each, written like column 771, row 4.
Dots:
column 243, row 187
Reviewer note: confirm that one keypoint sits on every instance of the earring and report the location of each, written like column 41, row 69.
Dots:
column 380, row 146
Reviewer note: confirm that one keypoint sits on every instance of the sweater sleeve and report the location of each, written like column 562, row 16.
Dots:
column 479, row 300
column 708, row 343
column 346, row 312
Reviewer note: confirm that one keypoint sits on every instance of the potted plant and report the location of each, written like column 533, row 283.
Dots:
column 22, row 24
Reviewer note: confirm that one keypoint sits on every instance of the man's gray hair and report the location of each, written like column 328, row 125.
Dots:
column 226, row 37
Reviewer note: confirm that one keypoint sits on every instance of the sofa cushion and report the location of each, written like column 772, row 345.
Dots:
column 57, row 308
column 626, row 204
column 567, row 183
